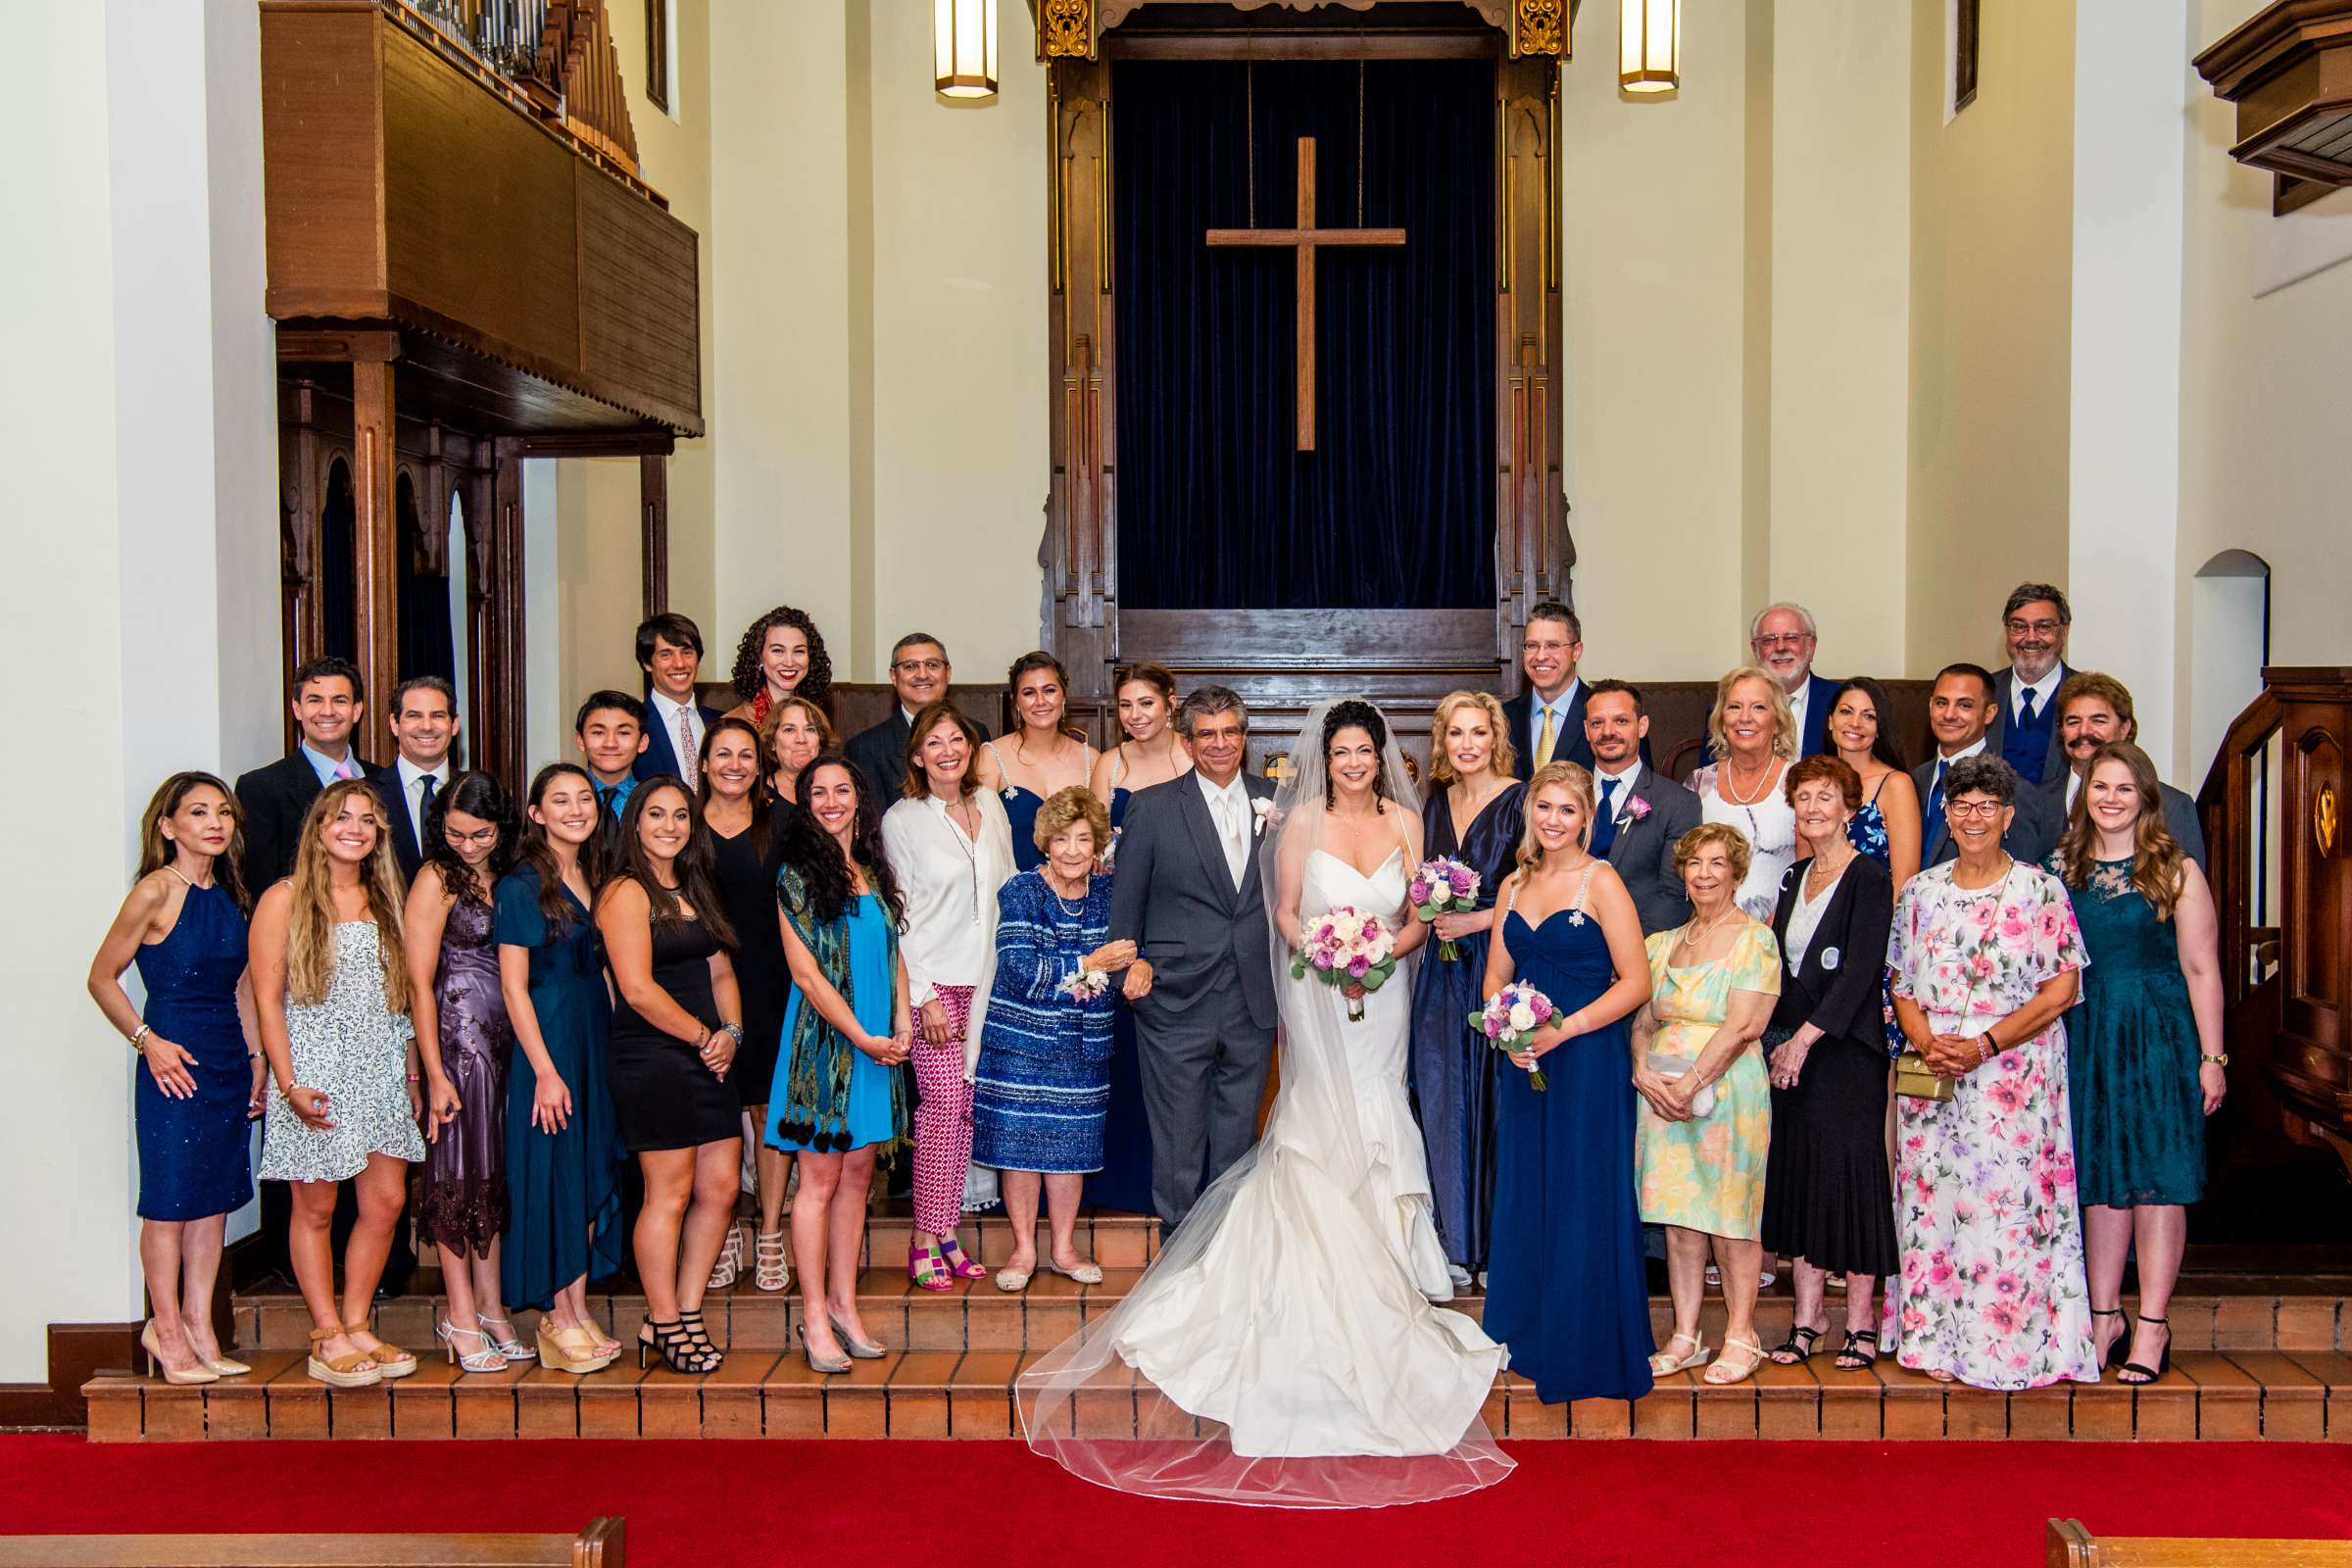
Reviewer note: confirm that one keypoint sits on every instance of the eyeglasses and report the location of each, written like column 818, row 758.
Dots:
column 1980, row 811
column 1532, row 646
column 480, row 835
column 2039, row 628
column 1782, row 639
column 921, row 667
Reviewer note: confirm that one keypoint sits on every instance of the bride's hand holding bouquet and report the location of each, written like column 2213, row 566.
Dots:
column 1345, row 947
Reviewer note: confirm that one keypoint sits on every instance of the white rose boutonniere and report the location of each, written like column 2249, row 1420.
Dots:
column 1260, row 808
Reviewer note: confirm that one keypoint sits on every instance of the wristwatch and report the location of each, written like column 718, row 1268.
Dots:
column 2222, row 1060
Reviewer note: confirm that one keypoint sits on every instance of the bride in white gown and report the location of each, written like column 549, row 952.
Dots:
column 1284, row 1347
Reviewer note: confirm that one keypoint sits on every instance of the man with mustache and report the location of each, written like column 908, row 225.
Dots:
column 2025, row 723
column 2093, row 709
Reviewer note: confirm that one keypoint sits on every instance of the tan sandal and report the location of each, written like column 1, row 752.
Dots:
column 1724, row 1373
column 353, row 1369
column 574, row 1349
column 1666, row 1364
column 390, row 1359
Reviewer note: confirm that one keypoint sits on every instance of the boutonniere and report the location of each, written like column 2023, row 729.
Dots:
column 1260, row 808
column 1636, row 809
column 1086, row 983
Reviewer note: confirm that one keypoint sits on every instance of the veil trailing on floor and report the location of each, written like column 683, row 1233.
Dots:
column 1279, row 1351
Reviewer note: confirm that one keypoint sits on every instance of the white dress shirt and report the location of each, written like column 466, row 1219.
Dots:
column 2043, row 690
column 949, row 881
column 1229, row 810
column 1799, row 700
column 412, row 789
column 665, row 714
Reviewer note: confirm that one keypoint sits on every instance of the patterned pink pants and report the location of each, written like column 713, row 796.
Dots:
column 942, row 1119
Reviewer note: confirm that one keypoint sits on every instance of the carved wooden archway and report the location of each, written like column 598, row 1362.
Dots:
column 1281, row 660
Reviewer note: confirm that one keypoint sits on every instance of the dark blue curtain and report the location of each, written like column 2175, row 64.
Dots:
column 338, row 567
column 426, row 647
column 1394, row 508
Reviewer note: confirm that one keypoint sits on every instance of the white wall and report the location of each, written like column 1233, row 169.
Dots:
column 139, row 296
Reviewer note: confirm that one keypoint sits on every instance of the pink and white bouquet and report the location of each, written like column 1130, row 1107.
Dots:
column 1442, row 886
column 1346, row 947
column 1509, row 1016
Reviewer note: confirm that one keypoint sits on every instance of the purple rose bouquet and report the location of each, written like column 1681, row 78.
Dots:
column 1442, row 886
column 1509, row 1016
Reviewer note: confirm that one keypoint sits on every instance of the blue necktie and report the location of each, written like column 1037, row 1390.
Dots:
column 1604, row 825
column 2025, row 710
column 1935, row 824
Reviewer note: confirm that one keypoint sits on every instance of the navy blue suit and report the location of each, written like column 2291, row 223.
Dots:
column 661, row 754
column 1815, row 741
column 2004, row 707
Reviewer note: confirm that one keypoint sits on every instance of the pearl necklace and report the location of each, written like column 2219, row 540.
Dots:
column 1731, row 779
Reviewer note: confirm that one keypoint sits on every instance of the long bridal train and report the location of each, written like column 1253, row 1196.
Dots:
column 1289, row 1351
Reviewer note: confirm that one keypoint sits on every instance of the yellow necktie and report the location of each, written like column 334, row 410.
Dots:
column 1543, row 742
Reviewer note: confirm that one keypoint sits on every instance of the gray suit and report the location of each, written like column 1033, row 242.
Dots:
column 2033, row 833
column 1205, row 1033
column 2179, row 816
column 1644, row 850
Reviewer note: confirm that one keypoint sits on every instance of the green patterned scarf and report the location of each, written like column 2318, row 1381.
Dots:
column 819, row 1059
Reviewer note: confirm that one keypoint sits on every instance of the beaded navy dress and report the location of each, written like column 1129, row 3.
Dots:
column 195, row 1157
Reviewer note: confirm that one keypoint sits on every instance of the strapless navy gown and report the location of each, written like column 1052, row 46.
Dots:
column 195, row 1154
column 1565, row 1287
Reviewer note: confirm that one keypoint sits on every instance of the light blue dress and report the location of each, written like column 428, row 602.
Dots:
column 871, row 1119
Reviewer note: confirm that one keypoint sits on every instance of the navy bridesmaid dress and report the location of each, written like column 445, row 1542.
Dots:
column 1453, row 1070
column 1125, row 1180
column 195, row 1154
column 1566, row 1288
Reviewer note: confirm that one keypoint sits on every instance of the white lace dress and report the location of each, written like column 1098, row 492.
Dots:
column 1769, row 826
column 354, row 1049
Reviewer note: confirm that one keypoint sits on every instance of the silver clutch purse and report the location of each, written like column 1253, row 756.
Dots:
column 1669, row 1067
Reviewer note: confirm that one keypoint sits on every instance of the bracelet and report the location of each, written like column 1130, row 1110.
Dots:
column 2222, row 1060
column 1984, row 1049
column 253, row 1056
column 733, row 1029
column 140, row 1033
column 413, row 1078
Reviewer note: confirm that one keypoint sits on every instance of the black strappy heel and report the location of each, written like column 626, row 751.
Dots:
column 2164, row 1360
column 692, row 1323
column 1799, row 1347
column 2119, row 1346
column 1851, row 1358
column 675, row 1347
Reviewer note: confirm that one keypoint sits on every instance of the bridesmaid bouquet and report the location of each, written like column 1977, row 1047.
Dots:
column 1442, row 886
column 1344, row 946
column 1509, row 1016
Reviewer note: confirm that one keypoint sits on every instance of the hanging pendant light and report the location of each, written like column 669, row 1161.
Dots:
column 964, row 48
column 1649, row 45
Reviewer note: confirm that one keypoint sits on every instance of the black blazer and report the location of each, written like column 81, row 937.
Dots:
column 408, row 834
column 661, row 754
column 1835, row 989
column 273, row 801
column 1570, row 746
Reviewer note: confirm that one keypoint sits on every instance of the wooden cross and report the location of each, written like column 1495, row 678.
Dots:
column 1307, row 239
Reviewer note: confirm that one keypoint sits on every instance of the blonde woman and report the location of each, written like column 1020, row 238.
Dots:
column 794, row 733
column 1751, row 736
column 330, row 985
column 1569, row 1292
column 1473, row 816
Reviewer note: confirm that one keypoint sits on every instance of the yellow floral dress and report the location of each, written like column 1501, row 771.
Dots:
column 1707, row 1173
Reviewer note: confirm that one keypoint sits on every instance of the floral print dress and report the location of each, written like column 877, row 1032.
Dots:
column 1707, row 1173
column 1992, row 1289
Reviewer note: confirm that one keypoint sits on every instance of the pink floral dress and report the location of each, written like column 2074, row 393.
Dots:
column 1993, row 1287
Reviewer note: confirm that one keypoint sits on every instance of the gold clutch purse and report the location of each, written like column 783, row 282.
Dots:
column 1912, row 1077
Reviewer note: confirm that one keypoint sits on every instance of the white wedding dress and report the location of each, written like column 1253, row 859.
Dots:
column 1283, row 1349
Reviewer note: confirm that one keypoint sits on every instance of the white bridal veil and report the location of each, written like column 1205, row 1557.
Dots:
column 1279, row 1351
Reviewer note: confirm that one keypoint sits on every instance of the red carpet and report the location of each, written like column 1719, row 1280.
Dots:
column 719, row 1504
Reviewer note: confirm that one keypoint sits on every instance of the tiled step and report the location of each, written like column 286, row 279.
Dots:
column 2209, row 1396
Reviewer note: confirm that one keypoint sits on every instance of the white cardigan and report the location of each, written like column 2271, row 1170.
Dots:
column 949, row 884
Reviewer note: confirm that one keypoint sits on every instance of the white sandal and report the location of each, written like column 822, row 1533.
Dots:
column 771, row 1272
column 485, row 1359
column 730, row 1259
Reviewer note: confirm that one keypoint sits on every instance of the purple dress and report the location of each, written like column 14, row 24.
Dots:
column 462, row 1201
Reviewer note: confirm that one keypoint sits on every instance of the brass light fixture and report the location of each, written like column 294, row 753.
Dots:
column 1649, row 45
column 964, row 48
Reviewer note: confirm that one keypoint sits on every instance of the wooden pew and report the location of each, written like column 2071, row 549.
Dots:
column 602, row 1545
column 2070, row 1546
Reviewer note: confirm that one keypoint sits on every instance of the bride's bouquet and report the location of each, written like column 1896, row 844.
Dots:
column 1345, row 947
column 1442, row 886
column 1509, row 1016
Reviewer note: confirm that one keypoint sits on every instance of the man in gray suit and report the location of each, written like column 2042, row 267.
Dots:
column 1960, row 713
column 1188, row 896
column 2092, row 711
column 1636, row 815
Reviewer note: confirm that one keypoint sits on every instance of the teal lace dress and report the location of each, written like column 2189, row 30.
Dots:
column 2132, row 1057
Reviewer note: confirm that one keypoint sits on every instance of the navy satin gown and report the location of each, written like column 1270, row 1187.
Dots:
column 1566, row 1288
column 195, row 1154
column 1125, row 1180
column 1451, row 1069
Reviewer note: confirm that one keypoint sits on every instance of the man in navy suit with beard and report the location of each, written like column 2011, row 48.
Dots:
column 1782, row 639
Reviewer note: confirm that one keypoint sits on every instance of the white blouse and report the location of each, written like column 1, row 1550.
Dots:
column 1804, row 920
column 949, row 882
